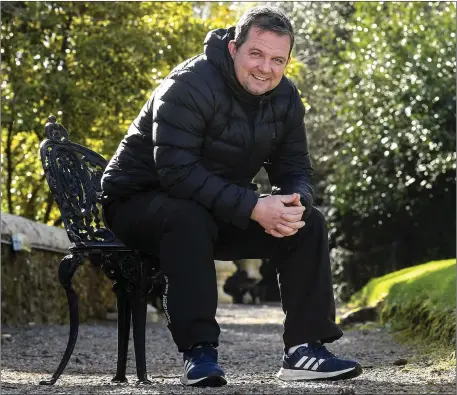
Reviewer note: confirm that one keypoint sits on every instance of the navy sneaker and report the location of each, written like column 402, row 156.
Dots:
column 315, row 362
column 201, row 368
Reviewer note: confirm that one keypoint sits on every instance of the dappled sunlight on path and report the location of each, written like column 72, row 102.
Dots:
column 250, row 351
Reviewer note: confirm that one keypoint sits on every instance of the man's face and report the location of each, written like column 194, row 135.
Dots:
column 261, row 60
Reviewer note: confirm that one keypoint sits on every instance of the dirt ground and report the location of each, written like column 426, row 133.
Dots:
column 250, row 352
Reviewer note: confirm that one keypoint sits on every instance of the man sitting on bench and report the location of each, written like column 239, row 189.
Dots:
column 179, row 186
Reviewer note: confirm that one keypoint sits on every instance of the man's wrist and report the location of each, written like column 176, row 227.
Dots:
column 256, row 212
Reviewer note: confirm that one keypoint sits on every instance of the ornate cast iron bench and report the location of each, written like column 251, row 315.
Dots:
column 73, row 173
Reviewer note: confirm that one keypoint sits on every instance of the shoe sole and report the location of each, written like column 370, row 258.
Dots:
column 298, row 375
column 213, row 379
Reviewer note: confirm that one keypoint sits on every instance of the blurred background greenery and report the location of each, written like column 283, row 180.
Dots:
column 378, row 81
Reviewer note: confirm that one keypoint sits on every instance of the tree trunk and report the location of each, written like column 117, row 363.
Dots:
column 49, row 204
column 9, row 161
column 30, row 208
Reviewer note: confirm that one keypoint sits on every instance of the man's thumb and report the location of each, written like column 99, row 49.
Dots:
column 288, row 198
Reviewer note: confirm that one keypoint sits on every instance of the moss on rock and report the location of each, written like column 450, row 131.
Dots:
column 420, row 300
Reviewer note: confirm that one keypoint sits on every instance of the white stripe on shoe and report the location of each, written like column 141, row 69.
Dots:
column 301, row 362
column 309, row 363
column 316, row 365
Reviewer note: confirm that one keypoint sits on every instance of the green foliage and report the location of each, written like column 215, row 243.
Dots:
column 420, row 300
column 320, row 35
column 396, row 105
column 379, row 80
column 92, row 64
column 393, row 162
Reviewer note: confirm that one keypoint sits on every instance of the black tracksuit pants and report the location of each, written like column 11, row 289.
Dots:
column 187, row 238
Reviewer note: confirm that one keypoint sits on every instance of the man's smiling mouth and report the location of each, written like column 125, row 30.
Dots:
column 258, row 77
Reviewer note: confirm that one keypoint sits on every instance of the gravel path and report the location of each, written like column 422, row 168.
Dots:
column 250, row 352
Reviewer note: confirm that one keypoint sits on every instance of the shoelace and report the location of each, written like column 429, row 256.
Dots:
column 203, row 354
column 320, row 351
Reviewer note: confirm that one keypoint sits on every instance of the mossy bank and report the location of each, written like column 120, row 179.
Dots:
column 418, row 303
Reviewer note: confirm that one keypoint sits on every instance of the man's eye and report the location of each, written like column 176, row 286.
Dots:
column 255, row 54
column 279, row 61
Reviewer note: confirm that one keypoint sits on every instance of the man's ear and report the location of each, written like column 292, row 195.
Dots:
column 232, row 48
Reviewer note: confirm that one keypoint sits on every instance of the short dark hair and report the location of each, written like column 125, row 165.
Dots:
column 264, row 18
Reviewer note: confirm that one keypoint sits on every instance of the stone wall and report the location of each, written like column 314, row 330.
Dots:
column 31, row 292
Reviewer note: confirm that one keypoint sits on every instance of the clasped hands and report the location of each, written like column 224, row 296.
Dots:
column 279, row 215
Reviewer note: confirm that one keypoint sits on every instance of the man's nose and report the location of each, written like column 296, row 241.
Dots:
column 264, row 66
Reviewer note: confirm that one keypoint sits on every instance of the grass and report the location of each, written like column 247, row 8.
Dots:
column 418, row 302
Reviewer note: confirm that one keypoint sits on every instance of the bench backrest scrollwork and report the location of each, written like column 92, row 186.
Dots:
column 74, row 173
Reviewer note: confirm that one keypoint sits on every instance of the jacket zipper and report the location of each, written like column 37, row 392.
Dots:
column 253, row 118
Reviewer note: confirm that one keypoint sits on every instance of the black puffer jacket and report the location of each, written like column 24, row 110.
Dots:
column 201, row 136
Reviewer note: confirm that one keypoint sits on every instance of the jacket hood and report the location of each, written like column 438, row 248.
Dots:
column 216, row 51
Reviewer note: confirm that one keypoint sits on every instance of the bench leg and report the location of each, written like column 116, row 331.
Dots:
column 123, row 332
column 67, row 269
column 132, row 282
column 139, row 306
column 138, row 301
